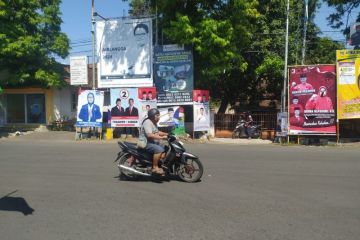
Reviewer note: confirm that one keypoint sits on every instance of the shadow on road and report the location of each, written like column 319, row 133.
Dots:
column 17, row 204
column 153, row 179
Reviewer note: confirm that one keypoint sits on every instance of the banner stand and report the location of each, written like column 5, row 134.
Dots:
column 92, row 130
column 337, row 132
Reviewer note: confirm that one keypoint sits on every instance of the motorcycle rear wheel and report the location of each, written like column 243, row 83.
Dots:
column 191, row 171
column 126, row 175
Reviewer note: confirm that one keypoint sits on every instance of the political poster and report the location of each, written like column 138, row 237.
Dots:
column 147, row 101
column 312, row 100
column 173, row 74
column 125, row 110
column 78, row 70
column 172, row 118
column 89, row 110
column 201, row 110
column 348, row 84
column 124, row 48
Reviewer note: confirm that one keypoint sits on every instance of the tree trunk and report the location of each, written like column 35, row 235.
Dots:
column 223, row 105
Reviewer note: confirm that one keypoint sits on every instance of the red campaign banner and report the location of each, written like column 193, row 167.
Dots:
column 312, row 100
column 201, row 96
column 147, row 94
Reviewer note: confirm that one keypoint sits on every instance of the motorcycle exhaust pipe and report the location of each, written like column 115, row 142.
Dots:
column 133, row 171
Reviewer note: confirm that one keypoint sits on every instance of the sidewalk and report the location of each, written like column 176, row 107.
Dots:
column 70, row 137
column 243, row 141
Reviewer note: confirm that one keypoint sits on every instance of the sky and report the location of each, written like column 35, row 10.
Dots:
column 76, row 15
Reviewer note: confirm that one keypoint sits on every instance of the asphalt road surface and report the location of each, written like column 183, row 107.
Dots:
column 52, row 187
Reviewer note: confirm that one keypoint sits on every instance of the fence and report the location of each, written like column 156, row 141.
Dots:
column 225, row 123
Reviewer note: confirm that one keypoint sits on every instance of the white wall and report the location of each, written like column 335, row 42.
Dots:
column 63, row 104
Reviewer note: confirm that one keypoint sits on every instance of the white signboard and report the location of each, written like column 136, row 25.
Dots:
column 347, row 73
column 201, row 116
column 124, row 47
column 78, row 70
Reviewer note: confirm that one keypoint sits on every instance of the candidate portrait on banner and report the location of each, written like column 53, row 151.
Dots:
column 90, row 104
column 125, row 113
column 124, row 47
column 201, row 110
column 312, row 99
column 147, row 101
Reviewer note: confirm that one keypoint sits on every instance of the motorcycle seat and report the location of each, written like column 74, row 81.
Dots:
column 130, row 145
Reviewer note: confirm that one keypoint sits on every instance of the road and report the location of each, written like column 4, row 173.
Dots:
column 52, row 187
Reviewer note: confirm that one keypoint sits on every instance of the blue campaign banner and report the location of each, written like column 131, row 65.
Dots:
column 89, row 110
column 173, row 74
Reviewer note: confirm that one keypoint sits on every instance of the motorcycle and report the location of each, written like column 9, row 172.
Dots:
column 240, row 130
column 134, row 162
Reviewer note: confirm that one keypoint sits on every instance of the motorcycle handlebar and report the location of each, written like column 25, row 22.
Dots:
column 171, row 137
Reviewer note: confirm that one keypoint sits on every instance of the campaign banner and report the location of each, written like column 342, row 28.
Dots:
column 125, row 110
column 201, row 110
column 348, row 83
column 173, row 118
column 89, row 110
column 78, row 70
column 124, row 48
column 173, row 74
column 312, row 96
column 147, row 101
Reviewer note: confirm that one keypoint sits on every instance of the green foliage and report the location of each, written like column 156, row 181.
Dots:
column 30, row 38
column 239, row 44
column 323, row 51
column 139, row 8
column 343, row 7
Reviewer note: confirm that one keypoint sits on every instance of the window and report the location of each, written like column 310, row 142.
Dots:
column 25, row 108
column 74, row 100
column 15, row 108
column 35, row 105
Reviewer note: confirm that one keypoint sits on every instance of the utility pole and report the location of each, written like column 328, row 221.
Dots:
column 283, row 105
column 305, row 30
column 93, row 43
column 156, row 19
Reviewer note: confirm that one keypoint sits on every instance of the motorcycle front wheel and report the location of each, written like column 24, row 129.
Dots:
column 191, row 170
column 126, row 160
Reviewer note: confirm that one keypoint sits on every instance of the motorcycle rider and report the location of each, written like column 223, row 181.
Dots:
column 153, row 136
column 248, row 124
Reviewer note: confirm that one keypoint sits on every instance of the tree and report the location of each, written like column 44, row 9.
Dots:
column 219, row 32
column 239, row 45
column 30, row 38
column 270, row 62
column 343, row 7
column 139, row 7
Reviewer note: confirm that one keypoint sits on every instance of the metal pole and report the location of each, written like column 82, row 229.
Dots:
column 283, row 105
column 93, row 43
column 305, row 30
column 156, row 13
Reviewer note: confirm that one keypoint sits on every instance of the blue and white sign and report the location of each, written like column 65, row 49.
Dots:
column 90, row 105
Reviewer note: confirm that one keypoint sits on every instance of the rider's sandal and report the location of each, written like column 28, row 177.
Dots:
column 158, row 171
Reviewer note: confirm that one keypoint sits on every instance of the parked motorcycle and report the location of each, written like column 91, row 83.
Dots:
column 134, row 163
column 240, row 130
